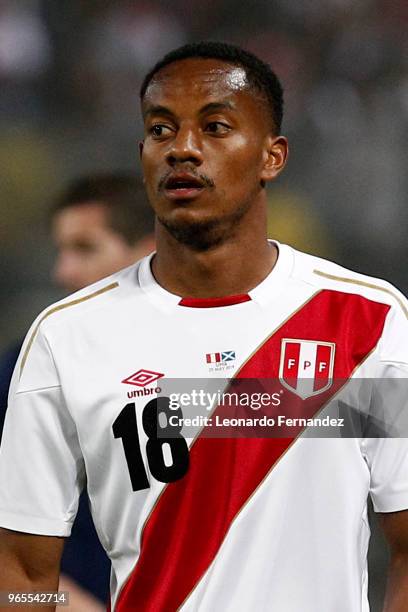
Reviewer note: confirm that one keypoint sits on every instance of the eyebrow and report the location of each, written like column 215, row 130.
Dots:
column 157, row 109
column 216, row 106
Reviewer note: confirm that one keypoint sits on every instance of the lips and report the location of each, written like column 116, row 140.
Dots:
column 183, row 186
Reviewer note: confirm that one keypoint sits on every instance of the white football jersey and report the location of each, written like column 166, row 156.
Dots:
column 206, row 523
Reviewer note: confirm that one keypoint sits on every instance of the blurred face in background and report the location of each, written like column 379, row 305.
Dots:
column 88, row 249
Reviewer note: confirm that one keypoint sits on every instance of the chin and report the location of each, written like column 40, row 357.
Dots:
column 196, row 231
column 190, row 214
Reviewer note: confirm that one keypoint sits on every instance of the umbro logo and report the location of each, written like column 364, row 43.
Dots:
column 141, row 378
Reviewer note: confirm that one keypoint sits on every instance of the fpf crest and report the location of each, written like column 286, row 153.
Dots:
column 306, row 366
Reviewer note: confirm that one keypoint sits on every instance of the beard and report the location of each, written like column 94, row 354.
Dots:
column 206, row 234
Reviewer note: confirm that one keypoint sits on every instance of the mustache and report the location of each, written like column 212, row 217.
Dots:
column 206, row 180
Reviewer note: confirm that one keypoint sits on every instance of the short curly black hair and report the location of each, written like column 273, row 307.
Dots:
column 259, row 74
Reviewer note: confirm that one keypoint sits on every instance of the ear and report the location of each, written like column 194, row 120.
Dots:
column 274, row 157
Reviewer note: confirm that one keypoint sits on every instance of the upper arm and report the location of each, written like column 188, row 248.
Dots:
column 395, row 528
column 35, row 557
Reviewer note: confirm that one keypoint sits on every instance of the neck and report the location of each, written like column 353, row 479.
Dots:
column 234, row 267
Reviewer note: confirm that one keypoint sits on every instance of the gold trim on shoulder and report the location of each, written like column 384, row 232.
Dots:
column 354, row 281
column 56, row 309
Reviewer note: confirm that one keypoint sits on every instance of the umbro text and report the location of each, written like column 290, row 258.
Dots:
column 143, row 392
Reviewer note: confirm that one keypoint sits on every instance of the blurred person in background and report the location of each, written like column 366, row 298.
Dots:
column 100, row 224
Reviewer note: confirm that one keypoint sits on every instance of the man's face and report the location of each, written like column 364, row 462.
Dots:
column 87, row 248
column 207, row 136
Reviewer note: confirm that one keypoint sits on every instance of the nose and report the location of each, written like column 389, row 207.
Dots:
column 186, row 146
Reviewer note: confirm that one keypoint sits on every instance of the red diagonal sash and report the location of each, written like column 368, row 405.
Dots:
column 193, row 515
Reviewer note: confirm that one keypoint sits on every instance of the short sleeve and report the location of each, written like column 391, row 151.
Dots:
column 387, row 457
column 41, row 465
column 388, row 462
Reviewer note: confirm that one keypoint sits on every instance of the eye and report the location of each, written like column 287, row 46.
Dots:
column 159, row 129
column 217, row 127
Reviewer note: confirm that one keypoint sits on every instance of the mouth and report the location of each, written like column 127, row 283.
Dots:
column 182, row 186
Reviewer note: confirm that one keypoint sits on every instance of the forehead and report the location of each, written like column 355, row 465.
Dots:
column 199, row 81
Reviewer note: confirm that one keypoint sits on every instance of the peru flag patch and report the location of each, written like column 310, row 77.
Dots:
column 213, row 357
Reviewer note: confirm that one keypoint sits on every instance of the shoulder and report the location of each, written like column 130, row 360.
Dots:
column 98, row 297
column 327, row 275
column 96, row 302
column 92, row 307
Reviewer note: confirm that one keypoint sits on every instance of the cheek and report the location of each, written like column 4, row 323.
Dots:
column 150, row 171
column 240, row 162
column 150, row 161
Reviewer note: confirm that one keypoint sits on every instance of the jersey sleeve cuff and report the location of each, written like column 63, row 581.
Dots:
column 391, row 503
column 34, row 525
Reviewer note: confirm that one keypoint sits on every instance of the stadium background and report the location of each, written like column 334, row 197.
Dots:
column 69, row 77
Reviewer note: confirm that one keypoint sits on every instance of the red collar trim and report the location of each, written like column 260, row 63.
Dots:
column 229, row 300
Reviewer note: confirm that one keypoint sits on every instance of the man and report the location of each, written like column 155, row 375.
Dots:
column 100, row 224
column 204, row 523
